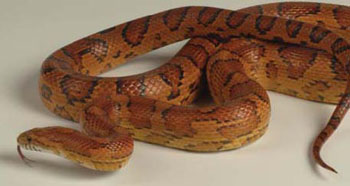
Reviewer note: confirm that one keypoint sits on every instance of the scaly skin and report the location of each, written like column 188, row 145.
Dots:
column 299, row 49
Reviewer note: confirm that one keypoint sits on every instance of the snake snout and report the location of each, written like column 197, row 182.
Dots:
column 24, row 139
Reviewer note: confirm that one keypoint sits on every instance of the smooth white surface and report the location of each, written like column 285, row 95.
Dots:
column 31, row 30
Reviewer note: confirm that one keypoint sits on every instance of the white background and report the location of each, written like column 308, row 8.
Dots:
column 31, row 30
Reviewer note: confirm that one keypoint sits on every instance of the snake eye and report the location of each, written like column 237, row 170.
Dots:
column 29, row 139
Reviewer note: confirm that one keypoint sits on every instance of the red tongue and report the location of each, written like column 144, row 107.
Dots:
column 25, row 159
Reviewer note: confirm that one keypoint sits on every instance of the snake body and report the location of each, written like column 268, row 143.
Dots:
column 299, row 49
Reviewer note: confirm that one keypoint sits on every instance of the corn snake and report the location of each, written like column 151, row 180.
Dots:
column 241, row 53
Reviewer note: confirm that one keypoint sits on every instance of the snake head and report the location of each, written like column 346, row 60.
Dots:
column 41, row 139
column 98, row 153
column 26, row 140
column 32, row 140
column 29, row 140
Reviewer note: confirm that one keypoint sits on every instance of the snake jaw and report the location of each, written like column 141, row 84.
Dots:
column 26, row 160
column 24, row 140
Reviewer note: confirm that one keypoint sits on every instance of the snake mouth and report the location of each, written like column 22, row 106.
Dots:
column 26, row 160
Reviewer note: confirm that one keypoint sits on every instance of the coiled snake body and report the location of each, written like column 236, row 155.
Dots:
column 299, row 49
